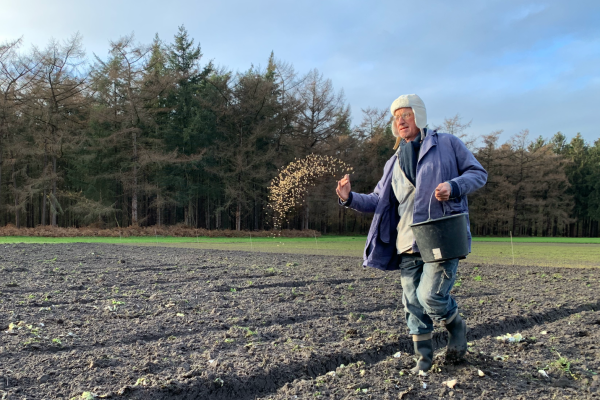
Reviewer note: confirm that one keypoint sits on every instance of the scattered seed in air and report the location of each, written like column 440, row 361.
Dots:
column 290, row 187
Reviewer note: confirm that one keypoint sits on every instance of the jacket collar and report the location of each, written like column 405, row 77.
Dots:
column 430, row 140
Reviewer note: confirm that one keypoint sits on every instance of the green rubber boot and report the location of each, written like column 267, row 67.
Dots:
column 457, row 339
column 423, row 349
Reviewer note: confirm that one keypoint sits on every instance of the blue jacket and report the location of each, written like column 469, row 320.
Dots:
column 443, row 157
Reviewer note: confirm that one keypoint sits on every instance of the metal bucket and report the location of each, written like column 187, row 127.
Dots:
column 442, row 238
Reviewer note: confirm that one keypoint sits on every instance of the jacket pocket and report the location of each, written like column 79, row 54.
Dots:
column 384, row 226
column 455, row 206
column 373, row 229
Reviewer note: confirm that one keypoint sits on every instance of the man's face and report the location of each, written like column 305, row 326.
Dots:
column 405, row 123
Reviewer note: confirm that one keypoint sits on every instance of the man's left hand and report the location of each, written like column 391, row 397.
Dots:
column 442, row 191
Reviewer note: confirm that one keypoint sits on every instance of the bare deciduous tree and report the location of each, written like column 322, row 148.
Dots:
column 57, row 102
column 323, row 113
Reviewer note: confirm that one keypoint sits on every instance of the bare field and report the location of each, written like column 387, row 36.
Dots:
column 133, row 322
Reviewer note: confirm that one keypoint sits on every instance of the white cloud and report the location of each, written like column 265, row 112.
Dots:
column 507, row 64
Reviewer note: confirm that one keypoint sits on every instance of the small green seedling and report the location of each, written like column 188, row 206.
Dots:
column 563, row 364
column 141, row 382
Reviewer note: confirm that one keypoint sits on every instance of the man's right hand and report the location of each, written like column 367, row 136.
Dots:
column 343, row 188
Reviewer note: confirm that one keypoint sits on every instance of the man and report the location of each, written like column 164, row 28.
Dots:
column 425, row 162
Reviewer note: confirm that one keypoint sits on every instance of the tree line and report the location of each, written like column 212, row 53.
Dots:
column 152, row 135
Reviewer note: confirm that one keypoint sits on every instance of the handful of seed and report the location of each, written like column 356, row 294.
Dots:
column 290, row 187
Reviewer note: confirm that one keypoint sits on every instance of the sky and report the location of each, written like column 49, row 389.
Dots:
column 505, row 65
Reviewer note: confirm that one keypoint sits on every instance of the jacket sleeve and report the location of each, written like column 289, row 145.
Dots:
column 471, row 175
column 367, row 203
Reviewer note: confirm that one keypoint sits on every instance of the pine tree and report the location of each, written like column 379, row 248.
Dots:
column 190, row 124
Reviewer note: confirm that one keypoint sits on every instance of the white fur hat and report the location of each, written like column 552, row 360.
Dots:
column 413, row 101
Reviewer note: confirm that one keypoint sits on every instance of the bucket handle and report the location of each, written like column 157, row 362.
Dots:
column 431, row 198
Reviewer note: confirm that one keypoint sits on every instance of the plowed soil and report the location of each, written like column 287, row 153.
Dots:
column 110, row 321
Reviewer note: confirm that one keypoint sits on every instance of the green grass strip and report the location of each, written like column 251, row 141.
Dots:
column 553, row 252
column 324, row 239
column 171, row 239
column 531, row 239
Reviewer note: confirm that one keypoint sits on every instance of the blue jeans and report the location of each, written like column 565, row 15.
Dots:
column 426, row 292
